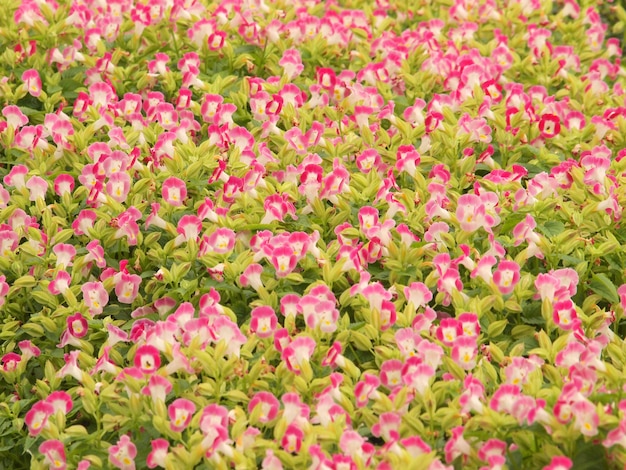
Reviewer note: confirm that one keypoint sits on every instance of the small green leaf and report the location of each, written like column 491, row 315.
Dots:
column 552, row 228
column 603, row 286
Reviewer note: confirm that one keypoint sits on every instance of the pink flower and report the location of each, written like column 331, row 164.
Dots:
column 77, row 325
column 64, row 184
column 54, row 454
column 157, row 457
column 504, row 399
column 464, row 352
column 174, row 191
column 470, row 212
column 158, row 388
column 60, row 401
column 291, row 62
column 147, row 359
column 221, row 241
column 252, row 276
column 189, row 228
column 418, row 294
column 586, row 418
column 32, row 82
column 71, row 366
column 283, row 260
column 506, row 276
column 366, row 390
column 564, row 315
column 180, row 412
column 559, row 463
column 549, row 126
column 60, row 283
column 118, row 186
column 37, row 187
column 263, row 321
column 268, row 406
column 36, row 418
column 127, row 287
column 122, row 454
column 456, row 445
column 95, row 297
column 298, row 352
column 65, row 253
column 292, row 439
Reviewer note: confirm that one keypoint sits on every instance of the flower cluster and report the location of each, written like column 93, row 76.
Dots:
column 248, row 234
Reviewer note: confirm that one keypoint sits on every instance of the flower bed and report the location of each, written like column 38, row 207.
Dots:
column 306, row 234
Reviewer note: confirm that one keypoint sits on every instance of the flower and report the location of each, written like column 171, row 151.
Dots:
column 180, row 412
column 158, row 455
column 36, row 418
column 147, row 359
column 174, row 191
column 122, row 454
column 54, row 453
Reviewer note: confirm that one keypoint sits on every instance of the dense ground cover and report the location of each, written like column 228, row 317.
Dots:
column 311, row 234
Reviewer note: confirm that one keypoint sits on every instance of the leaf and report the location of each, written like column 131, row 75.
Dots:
column 603, row 286
column 589, row 457
column 552, row 228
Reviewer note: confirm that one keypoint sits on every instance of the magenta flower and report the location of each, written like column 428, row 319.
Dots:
column 60, row 401
column 292, row 439
column 564, row 315
column 36, row 418
column 174, row 191
column 54, row 454
column 77, row 325
column 122, row 454
column 95, row 297
column 221, row 241
column 283, row 260
column 298, row 352
column 180, row 413
column 157, row 457
column 506, row 276
column 147, row 359
column 158, row 388
column 60, row 283
column 263, row 321
column 559, row 463
column 366, row 390
column 127, row 287
column 32, row 82
column 268, row 405
column 37, row 187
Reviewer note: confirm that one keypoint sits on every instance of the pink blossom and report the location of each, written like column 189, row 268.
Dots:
column 564, row 315
column 298, row 352
column 268, row 405
column 147, row 359
column 37, row 187
column 174, row 191
column 158, row 388
column 127, row 287
column 263, row 321
column 54, row 454
column 95, row 297
column 506, row 276
column 464, row 352
column 32, row 82
column 36, row 418
column 180, row 412
column 292, row 439
column 559, row 463
column 122, row 454
column 158, row 455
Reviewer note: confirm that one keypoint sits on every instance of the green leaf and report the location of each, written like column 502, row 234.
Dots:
column 603, row 286
column 552, row 228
